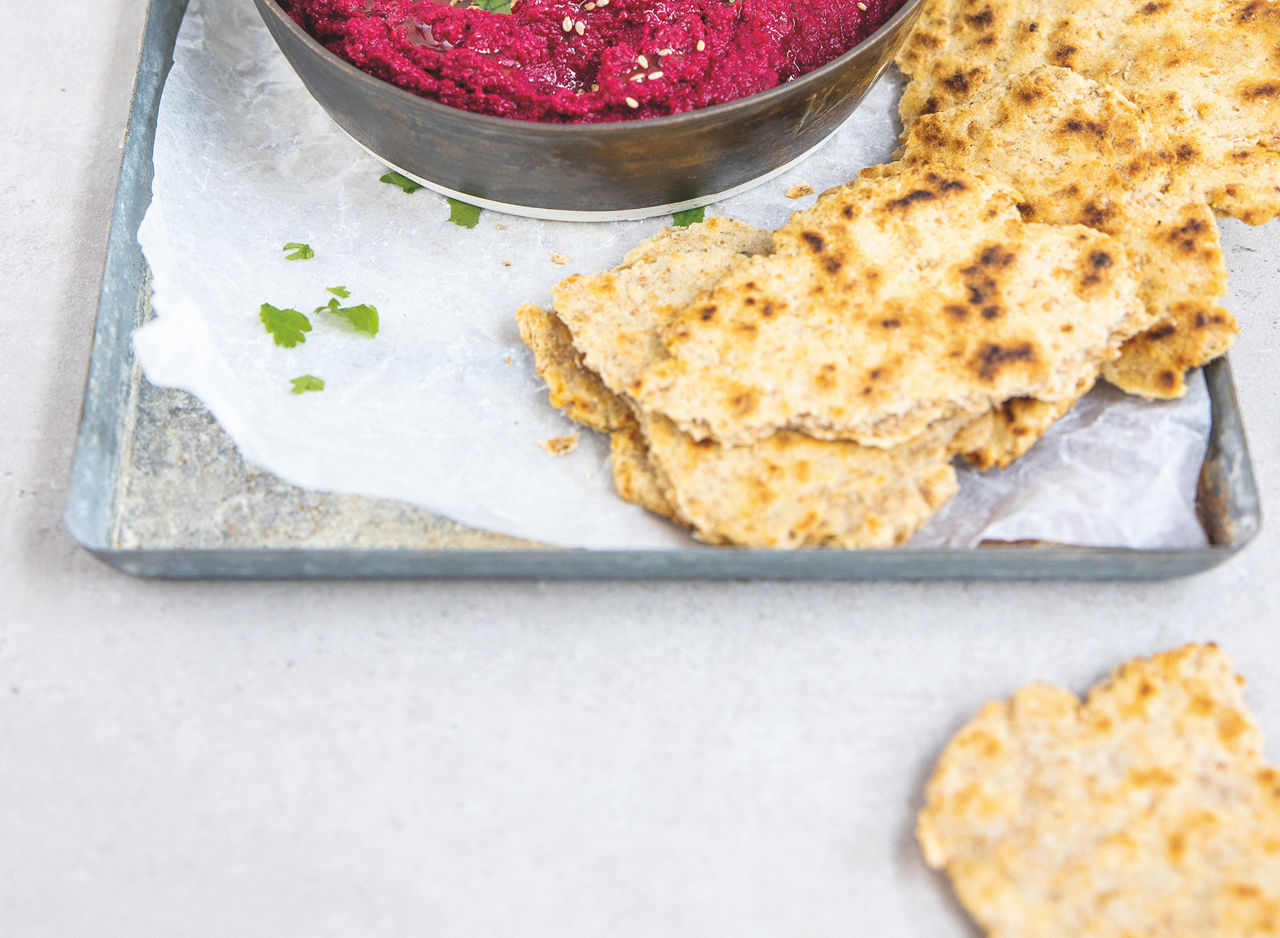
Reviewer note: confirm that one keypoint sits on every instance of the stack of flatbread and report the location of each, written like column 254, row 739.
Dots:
column 1140, row 118
column 1049, row 220
column 811, row 386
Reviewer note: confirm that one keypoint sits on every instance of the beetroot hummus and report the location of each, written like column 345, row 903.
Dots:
column 577, row 61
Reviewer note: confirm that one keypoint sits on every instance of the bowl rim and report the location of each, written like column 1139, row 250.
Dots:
column 603, row 128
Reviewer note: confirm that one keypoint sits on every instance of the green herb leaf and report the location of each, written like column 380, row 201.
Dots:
column 690, row 216
column 464, row 214
column 493, row 6
column 301, row 252
column 362, row 318
column 339, row 291
column 304, row 383
column 404, row 182
column 285, row 325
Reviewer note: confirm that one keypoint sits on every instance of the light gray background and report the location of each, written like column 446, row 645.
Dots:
column 469, row 759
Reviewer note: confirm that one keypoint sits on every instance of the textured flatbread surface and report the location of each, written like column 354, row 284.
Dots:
column 1016, row 425
column 1145, row 811
column 635, row 476
column 785, row 491
column 572, row 388
column 894, row 302
column 1206, row 71
column 616, row 316
column 790, row 490
column 718, row 231
column 1155, row 362
column 1082, row 153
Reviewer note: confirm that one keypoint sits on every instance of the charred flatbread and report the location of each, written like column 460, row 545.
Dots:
column 892, row 304
column 1081, row 153
column 1206, row 71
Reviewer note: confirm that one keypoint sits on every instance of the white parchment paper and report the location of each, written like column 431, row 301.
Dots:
column 443, row 409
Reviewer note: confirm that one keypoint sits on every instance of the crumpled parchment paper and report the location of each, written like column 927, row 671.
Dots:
column 442, row 408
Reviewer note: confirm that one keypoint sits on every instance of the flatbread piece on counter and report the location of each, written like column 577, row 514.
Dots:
column 1205, row 71
column 894, row 303
column 1146, row 810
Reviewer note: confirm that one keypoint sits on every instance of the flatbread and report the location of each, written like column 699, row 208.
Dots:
column 1148, row 810
column 1206, row 71
column 1155, row 362
column 786, row 491
column 718, row 231
column 571, row 387
column 1015, row 427
column 891, row 304
column 616, row 316
column 637, row 479
column 1081, row 153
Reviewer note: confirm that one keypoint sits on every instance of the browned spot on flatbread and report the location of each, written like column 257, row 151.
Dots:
column 992, row 358
column 1251, row 91
column 912, row 197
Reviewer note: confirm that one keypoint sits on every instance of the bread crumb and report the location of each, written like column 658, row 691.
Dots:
column 559, row 259
column 560, row 445
column 799, row 190
column 506, row 263
column 501, row 227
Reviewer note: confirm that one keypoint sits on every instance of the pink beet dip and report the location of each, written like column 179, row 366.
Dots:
column 586, row 61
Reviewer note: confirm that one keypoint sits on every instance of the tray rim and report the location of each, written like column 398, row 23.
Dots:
column 110, row 389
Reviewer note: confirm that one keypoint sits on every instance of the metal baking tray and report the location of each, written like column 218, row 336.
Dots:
column 158, row 488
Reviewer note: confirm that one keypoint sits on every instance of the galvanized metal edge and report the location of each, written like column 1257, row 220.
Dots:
column 1227, row 485
column 104, row 419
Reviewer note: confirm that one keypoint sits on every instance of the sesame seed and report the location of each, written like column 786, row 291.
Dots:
column 589, row 7
column 639, row 77
column 644, row 63
column 665, row 51
column 862, row 7
column 702, row 46
column 594, row 86
column 568, row 23
column 579, row 27
column 632, row 102
column 653, row 76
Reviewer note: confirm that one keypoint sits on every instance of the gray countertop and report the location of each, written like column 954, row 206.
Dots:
column 478, row 758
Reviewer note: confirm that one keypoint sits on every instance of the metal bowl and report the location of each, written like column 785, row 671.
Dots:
column 591, row 172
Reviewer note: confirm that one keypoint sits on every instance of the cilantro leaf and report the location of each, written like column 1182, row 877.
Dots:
column 463, row 214
column 301, row 252
column 339, row 291
column 393, row 178
column 285, row 325
column 690, row 216
column 304, row 383
column 493, row 6
column 362, row 318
